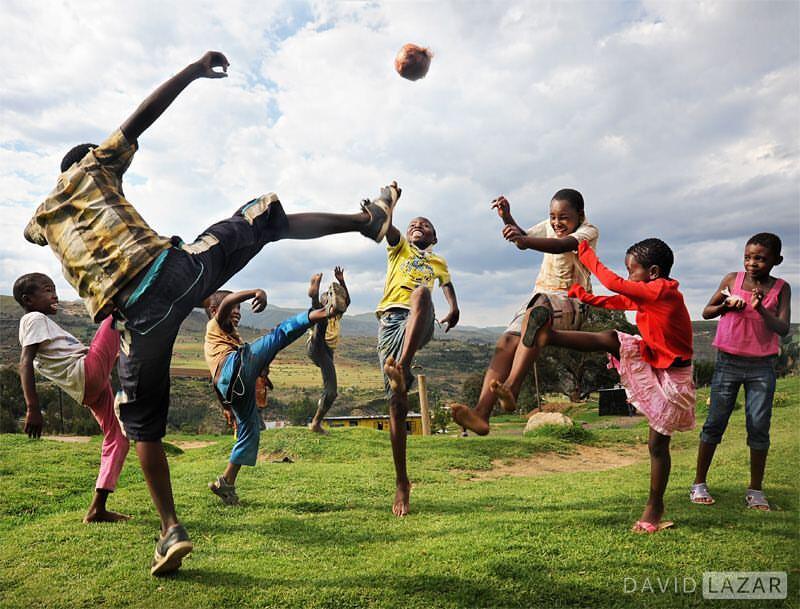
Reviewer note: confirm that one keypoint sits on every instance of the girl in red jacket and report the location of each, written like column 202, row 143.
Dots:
column 656, row 367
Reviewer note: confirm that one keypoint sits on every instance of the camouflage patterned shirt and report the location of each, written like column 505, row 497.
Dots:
column 100, row 239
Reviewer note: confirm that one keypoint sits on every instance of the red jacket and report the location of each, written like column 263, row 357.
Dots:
column 661, row 314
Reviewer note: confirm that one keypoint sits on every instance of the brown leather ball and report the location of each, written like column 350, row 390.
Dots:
column 412, row 61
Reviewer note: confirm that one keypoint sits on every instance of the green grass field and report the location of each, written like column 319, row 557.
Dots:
column 319, row 533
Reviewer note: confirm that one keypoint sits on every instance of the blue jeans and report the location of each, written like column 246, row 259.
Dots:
column 250, row 360
column 757, row 374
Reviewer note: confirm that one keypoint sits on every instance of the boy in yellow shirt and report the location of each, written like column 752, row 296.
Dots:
column 406, row 316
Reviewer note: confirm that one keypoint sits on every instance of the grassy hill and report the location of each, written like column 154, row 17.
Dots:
column 504, row 521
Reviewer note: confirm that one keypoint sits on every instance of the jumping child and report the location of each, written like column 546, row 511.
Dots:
column 558, row 237
column 322, row 341
column 656, row 367
column 115, row 261
column 82, row 372
column 236, row 365
column 405, row 325
column 755, row 309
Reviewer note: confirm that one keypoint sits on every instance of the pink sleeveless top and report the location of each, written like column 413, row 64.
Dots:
column 745, row 332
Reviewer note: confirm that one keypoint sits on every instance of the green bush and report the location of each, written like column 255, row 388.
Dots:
column 575, row 434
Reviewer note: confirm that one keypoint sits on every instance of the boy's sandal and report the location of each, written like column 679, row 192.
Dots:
column 642, row 527
column 539, row 316
column 756, row 500
column 336, row 300
column 699, row 494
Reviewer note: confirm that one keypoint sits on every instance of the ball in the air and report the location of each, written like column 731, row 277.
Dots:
column 412, row 61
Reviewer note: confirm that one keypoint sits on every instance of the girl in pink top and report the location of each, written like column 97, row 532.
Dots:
column 754, row 307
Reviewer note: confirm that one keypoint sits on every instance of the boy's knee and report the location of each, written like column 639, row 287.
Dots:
column 506, row 342
column 421, row 297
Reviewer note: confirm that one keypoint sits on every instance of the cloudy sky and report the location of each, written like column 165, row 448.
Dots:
column 676, row 120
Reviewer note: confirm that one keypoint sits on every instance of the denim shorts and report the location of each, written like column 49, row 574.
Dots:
column 757, row 374
column 391, row 336
column 188, row 274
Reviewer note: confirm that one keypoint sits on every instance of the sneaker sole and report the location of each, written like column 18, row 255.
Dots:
column 173, row 559
column 226, row 499
column 388, row 209
column 539, row 316
column 337, row 304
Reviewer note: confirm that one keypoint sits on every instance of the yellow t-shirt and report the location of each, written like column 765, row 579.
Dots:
column 407, row 268
column 332, row 330
column 218, row 344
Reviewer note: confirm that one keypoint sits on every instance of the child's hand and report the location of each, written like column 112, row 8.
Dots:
column 757, row 297
column 450, row 320
column 211, row 60
column 259, row 301
column 230, row 420
column 734, row 303
column 33, row 423
column 513, row 233
column 503, row 208
column 338, row 272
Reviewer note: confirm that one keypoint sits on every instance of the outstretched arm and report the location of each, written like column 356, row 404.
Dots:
column 160, row 99
column 633, row 289
column 259, row 298
column 617, row 302
column 33, row 415
column 517, row 235
column 338, row 272
column 451, row 319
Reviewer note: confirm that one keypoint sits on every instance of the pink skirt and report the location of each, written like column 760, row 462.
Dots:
column 665, row 396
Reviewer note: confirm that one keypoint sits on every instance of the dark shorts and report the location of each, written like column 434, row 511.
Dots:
column 189, row 274
column 322, row 355
column 731, row 372
column 392, row 334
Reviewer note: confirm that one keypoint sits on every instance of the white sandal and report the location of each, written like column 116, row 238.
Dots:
column 756, row 500
column 699, row 494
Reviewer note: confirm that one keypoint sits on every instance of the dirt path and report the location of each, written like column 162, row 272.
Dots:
column 586, row 459
column 190, row 444
column 73, row 439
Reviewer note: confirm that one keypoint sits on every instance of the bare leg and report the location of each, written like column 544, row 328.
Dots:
column 316, row 224
column 660, row 465
column 606, row 340
column 156, row 472
column 398, row 409
column 98, row 511
column 477, row 419
column 421, row 307
column 705, row 454
column 758, row 462
column 231, row 471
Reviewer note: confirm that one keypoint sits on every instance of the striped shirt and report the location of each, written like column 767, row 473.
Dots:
column 100, row 239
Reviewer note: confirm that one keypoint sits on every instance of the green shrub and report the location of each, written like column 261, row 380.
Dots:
column 575, row 434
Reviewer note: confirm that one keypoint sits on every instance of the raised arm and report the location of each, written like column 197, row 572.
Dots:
column 338, row 272
column 33, row 414
column 638, row 290
column 778, row 323
column 451, row 319
column 160, row 99
column 259, row 298
column 517, row 235
column 722, row 301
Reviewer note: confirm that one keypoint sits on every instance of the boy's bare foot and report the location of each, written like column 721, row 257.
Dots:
column 507, row 400
column 313, row 287
column 466, row 417
column 104, row 516
column 401, row 499
column 397, row 381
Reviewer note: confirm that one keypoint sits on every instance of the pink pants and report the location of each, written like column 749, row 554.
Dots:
column 99, row 398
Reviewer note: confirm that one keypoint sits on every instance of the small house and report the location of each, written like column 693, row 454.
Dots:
column 377, row 421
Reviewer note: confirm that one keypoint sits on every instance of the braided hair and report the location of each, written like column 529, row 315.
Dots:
column 651, row 252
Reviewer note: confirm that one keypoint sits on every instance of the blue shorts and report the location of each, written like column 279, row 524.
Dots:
column 757, row 374
column 391, row 336
column 237, row 381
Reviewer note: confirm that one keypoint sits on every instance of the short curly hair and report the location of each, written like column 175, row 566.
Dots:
column 214, row 300
column 571, row 196
column 651, row 252
column 75, row 154
column 28, row 284
column 769, row 240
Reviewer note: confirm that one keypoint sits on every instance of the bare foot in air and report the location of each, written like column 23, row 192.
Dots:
column 104, row 516
column 401, row 499
column 466, row 417
column 507, row 400
column 313, row 287
column 397, row 381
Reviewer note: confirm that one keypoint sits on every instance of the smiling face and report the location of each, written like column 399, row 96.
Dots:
column 637, row 272
column 564, row 218
column 235, row 316
column 420, row 232
column 43, row 299
column 758, row 261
